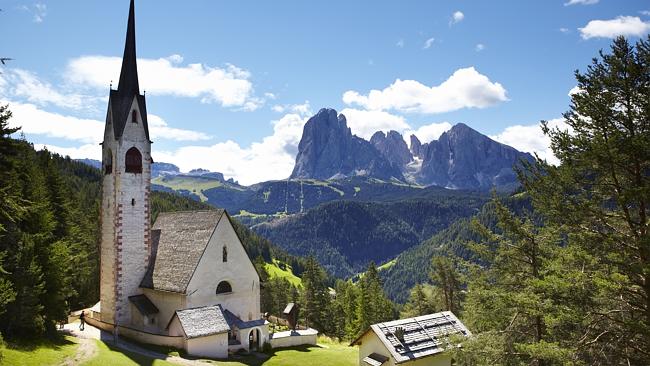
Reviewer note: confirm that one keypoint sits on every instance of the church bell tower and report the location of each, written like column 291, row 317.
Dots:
column 126, row 185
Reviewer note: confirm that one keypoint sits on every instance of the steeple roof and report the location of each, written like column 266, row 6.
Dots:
column 129, row 73
column 128, row 87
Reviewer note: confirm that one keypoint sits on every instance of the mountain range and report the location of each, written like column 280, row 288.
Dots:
column 461, row 158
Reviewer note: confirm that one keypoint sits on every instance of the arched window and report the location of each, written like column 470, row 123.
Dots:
column 224, row 254
column 133, row 161
column 134, row 116
column 223, row 287
column 108, row 162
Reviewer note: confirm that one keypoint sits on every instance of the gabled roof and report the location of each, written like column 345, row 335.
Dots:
column 203, row 321
column 235, row 322
column 178, row 240
column 143, row 304
column 424, row 336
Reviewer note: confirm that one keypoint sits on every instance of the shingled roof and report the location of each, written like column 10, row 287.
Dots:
column 423, row 336
column 179, row 240
column 143, row 304
column 202, row 322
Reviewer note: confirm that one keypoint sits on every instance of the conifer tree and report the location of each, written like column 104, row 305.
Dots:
column 447, row 279
column 600, row 194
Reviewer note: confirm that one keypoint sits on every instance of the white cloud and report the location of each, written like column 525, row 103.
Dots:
column 400, row 43
column 428, row 133
column 87, row 151
column 465, row 88
column 303, row 109
column 645, row 12
column 34, row 120
column 428, row 43
column 38, row 11
column 229, row 86
column 576, row 89
column 159, row 129
column 479, row 47
column 456, row 17
column 530, row 138
column 272, row 158
column 27, row 86
column 364, row 123
column 619, row 26
column 564, row 30
column 581, row 2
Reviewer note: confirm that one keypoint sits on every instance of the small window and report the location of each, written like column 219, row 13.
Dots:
column 223, row 288
column 132, row 201
column 134, row 116
column 133, row 161
column 225, row 254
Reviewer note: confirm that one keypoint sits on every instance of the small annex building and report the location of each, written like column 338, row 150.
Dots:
column 413, row 341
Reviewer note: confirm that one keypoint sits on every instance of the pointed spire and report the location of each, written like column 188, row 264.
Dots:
column 129, row 74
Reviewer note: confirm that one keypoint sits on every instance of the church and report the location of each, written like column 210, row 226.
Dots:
column 185, row 281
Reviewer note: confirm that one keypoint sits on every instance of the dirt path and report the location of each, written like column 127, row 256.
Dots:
column 88, row 347
column 86, row 351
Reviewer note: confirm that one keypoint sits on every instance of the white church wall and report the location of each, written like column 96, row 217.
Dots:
column 167, row 303
column 133, row 212
column 214, row 346
column 108, row 214
column 244, row 300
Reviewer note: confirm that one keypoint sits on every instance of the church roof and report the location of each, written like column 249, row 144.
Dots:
column 202, row 322
column 414, row 338
column 178, row 242
column 120, row 100
column 143, row 304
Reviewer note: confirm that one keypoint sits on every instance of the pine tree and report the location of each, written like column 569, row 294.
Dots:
column 446, row 277
column 316, row 299
column 600, row 194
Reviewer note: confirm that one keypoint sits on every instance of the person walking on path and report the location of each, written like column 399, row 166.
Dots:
column 82, row 320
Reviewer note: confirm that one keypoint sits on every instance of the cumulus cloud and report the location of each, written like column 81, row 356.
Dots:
column 34, row 120
column 28, row 86
column 479, row 47
column 87, row 151
column 428, row 133
column 530, row 138
column 619, row 26
column 229, row 86
column 303, row 109
column 428, row 43
column 581, row 2
column 364, row 123
column 271, row 158
column 465, row 88
column 456, row 17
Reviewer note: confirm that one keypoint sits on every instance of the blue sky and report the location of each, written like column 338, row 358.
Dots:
column 230, row 83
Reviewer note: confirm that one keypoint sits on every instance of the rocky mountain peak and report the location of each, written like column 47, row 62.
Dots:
column 328, row 149
column 393, row 147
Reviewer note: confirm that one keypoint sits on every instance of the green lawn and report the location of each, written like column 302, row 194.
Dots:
column 274, row 270
column 109, row 356
column 195, row 185
column 54, row 353
column 42, row 352
column 326, row 353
